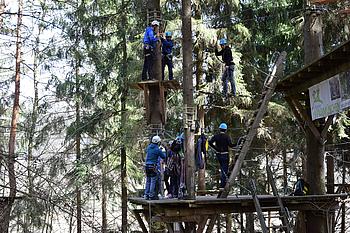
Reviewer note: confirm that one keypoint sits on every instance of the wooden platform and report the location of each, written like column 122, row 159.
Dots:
column 332, row 63
column 168, row 84
column 323, row 1
column 174, row 210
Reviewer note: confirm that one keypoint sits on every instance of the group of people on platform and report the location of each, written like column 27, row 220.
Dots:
column 150, row 40
column 152, row 37
column 173, row 158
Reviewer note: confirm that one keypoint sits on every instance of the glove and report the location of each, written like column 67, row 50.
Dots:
column 162, row 149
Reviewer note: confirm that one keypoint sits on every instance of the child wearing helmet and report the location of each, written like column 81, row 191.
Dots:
column 227, row 59
column 167, row 54
column 220, row 143
column 150, row 38
column 153, row 153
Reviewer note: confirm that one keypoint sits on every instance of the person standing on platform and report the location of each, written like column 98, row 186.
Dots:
column 173, row 169
column 150, row 39
column 228, row 74
column 153, row 152
column 220, row 143
column 167, row 55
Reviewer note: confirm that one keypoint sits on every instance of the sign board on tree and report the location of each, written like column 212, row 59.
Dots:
column 330, row 96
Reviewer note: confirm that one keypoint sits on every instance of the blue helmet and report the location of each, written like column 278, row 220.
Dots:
column 223, row 126
column 167, row 34
column 223, row 41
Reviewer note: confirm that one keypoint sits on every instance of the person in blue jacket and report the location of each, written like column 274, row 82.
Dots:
column 167, row 54
column 153, row 152
column 150, row 40
column 228, row 74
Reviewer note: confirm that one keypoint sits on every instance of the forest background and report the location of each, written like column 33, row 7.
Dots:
column 76, row 116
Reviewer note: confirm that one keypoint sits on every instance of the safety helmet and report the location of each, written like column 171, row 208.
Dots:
column 223, row 41
column 156, row 139
column 167, row 34
column 223, row 126
column 155, row 23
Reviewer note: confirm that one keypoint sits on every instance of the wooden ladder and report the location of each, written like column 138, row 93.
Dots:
column 244, row 145
column 283, row 213
column 253, row 124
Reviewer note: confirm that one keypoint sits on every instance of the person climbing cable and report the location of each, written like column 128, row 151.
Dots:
column 220, row 143
column 167, row 54
column 228, row 74
column 150, row 38
column 153, row 152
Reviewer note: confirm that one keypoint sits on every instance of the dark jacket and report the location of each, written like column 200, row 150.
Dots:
column 149, row 38
column 221, row 142
column 152, row 154
column 167, row 46
column 226, row 55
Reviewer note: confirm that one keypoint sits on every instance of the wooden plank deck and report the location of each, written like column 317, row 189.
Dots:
column 168, row 84
column 170, row 209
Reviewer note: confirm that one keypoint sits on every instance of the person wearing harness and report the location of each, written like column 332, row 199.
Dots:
column 226, row 55
column 149, row 44
column 167, row 55
column 220, row 143
column 153, row 152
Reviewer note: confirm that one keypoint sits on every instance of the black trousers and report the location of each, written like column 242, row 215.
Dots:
column 148, row 63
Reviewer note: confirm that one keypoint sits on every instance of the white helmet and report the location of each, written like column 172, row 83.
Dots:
column 156, row 139
column 155, row 23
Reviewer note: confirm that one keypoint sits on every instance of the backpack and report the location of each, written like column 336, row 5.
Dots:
column 301, row 188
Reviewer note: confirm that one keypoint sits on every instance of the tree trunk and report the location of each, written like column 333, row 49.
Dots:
column 77, row 144
column 104, row 194
column 123, row 122
column 33, row 122
column 153, row 7
column 6, row 212
column 2, row 8
column 186, row 30
column 313, row 48
column 200, row 110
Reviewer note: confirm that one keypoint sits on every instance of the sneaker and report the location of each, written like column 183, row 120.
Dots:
column 154, row 198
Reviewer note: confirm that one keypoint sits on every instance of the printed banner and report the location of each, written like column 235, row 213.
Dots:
column 330, row 96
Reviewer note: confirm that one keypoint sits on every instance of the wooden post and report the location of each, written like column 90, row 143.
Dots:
column 330, row 174
column 186, row 30
column 343, row 210
column 228, row 223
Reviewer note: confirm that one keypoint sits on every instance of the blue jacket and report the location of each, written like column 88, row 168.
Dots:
column 167, row 46
column 149, row 38
column 152, row 154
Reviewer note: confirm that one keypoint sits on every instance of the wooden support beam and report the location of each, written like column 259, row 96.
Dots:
column 211, row 223
column 146, row 103
column 323, row 1
column 182, row 228
column 190, row 227
column 139, row 220
column 184, row 218
column 202, row 223
column 170, row 227
column 295, row 112
column 326, row 126
column 307, row 120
